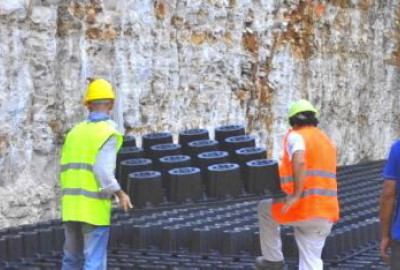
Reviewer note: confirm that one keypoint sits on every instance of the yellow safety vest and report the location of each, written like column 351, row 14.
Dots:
column 82, row 199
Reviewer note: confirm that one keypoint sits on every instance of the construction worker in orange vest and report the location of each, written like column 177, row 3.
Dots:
column 308, row 177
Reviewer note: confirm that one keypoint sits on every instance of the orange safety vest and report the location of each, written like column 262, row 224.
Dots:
column 319, row 195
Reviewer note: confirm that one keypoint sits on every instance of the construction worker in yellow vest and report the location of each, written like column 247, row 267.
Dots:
column 88, row 182
column 308, row 177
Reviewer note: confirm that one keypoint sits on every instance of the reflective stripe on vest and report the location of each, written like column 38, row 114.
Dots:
column 76, row 166
column 82, row 192
column 308, row 192
column 322, row 174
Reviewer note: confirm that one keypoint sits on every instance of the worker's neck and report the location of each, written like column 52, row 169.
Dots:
column 101, row 110
column 296, row 127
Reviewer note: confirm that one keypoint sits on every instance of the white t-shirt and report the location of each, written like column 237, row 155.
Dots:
column 294, row 142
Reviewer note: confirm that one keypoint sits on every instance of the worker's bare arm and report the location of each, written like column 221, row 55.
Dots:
column 124, row 200
column 387, row 200
column 299, row 174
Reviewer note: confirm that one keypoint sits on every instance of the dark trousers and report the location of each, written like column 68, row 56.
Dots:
column 395, row 255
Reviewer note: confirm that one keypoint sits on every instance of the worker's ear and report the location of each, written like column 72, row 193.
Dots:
column 111, row 105
column 89, row 106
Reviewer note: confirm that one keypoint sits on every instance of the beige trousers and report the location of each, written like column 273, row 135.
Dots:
column 310, row 237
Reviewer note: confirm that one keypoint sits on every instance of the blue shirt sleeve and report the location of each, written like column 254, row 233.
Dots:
column 390, row 170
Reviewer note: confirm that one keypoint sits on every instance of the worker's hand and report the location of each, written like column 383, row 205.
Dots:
column 385, row 244
column 293, row 199
column 124, row 200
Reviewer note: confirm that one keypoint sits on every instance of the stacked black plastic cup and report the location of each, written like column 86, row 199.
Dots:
column 127, row 153
column 3, row 250
column 197, row 147
column 244, row 155
column 129, row 166
column 201, row 240
column 59, row 237
column 171, row 162
column 263, row 176
column 144, row 188
column 14, row 247
column 237, row 142
column 190, row 135
column 46, row 240
column 129, row 141
column 223, row 132
column 150, row 139
column 236, row 240
column 206, row 159
column 224, row 181
column 161, row 150
column 30, row 244
column 185, row 185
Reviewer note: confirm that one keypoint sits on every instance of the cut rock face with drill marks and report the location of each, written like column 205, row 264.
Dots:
column 178, row 65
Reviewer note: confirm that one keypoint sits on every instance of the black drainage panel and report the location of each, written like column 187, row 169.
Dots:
column 190, row 135
column 141, row 184
column 129, row 141
column 263, row 176
column 223, row 132
column 206, row 159
column 185, row 185
column 224, row 181
column 171, row 162
column 234, row 143
column 197, row 147
column 150, row 139
column 161, row 150
column 127, row 153
column 129, row 166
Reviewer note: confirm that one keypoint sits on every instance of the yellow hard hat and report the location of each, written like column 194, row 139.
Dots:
column 99, row 89
column 301, row 105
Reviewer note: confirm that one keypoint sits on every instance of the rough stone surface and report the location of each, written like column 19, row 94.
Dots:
column 182, row 64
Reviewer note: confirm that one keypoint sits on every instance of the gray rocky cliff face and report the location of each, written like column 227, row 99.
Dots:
column 183, row 64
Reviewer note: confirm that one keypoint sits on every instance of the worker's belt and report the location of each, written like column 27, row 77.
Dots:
column 76, row 166
column 82, row 192
column 308, row 192
column 322, row 174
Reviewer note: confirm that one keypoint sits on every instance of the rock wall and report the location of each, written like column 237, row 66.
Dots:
column 186, row 63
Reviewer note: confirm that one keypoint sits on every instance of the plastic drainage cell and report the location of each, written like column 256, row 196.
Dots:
column 234, row 143
column 129, row 141
column 144, row 188
column 184, row 185
column 262, row 175
column 14, row 247
column 150, row 139
column 3, row 250
column 190, row 135
column 197, row 147
column 30, row 244
column 223, row 132
column 223, row 181
column 130, row 166
column 130, row 153
column 171, row 162
column 165, row 149
column 236, row 240
column 127, row 153
column 46, row 240
column 246, row 154
column 206, row 159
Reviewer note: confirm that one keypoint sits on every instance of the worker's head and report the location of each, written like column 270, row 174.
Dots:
column 302, row 113
column 99, row 96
